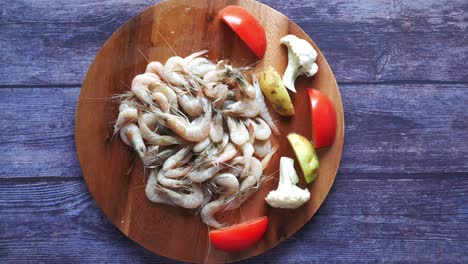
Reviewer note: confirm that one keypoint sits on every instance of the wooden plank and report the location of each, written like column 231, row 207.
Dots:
column 363, row 220
column 38, row 132
column 405, row 128
column 45, row 42
column 389, row 129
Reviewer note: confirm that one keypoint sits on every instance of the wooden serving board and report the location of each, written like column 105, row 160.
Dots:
column 183, row 27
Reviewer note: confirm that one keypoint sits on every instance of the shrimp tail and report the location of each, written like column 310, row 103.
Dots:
column 195, row 55
column 266, row 160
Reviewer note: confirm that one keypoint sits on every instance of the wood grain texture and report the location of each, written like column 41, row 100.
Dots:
column 364, row 41
column 377, row 223
column 38, row 132
column 190, row 26
column 391, row 129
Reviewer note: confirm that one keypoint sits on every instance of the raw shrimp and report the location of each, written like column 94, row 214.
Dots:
column 176, row 65
column 127, row 114
column 202, row 145
column 237, row 160
column 155, row 158
column 222, row 91
column 169, row 182
column 141, row 86
column 237, row 131
column 266, row 160
column 130, row 135
column 216, row 75
column 150, row 155
column 192, row 105
column 255, row 172
column 244, row 85
column 216, row 129
column 151, row 190
column 235, row 166
column 195, row 131
column 212, row 90
column 154, row 67
column 171, row 70
column 203, row 173
column 209, row 210
column 228, row 152
column 190, row 200
column 178, row 172
column 175, row 160
column 260, row 99
column 213, row 152
column 200, row 66
column 247, row 107
column 262, row 130
column 153, row 137
column 224, row 141
column 171, row 96
column 247, row 151
column 151, row 120
column 227, row 182
column 262, row 148
column 173, row 104
column 161, row 101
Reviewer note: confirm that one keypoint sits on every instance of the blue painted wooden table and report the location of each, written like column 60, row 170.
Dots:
column 401, row 194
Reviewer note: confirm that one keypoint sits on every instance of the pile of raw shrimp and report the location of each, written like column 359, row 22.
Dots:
column 201, row 129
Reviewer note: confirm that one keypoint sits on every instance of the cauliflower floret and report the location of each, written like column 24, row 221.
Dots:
column 301, row 60
column 288, row 195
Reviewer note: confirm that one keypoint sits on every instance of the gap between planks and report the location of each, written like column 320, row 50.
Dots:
column 395, row 82
column 356, row 176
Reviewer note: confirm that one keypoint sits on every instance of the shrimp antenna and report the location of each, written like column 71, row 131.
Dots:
column 209, row 246
column 167, row 43
column 230, row 166
column 250, row 66
column 126, row 85
column 132, row 166
column 138, row 186
column 142, row 54
column 179, row 112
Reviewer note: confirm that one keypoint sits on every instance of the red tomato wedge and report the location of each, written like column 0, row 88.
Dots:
column 241, row 236
column 246, row 27
column 323, row 119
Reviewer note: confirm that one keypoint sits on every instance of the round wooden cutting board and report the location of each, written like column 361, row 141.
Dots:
column 114, row 175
